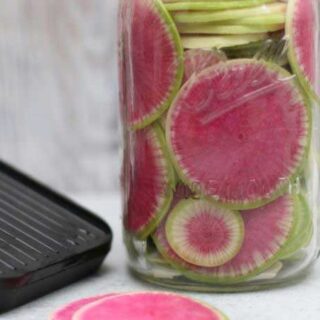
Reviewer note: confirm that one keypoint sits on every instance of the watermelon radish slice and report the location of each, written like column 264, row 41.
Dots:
column 267, row 230
column 224, row 15
column 214, row 5
column 151, row 180
column 204, row 234
column 156, row 64
column 181, row 192
column 67, row 312
column 148, row 306
column 197, row 60
column 301, row 26
column 239, row 132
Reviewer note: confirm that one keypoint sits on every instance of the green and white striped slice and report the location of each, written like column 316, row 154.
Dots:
column 267, row 19
column 226, row 29
column 213, row 16
column 204, row 234
column 214, row 5
column 219, row 41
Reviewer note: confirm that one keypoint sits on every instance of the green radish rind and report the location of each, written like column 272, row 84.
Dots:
column 270, row 273
column 308, row 235
column 220, row 41
column 161, row 137
column 161, row 124
column 163, row 207
column 292, row 54
column 284, row 183
column 302, row 230
column 227, row 29
column 227, row 280
column 273, row 50
column 172, row 29
column 257, row 45
column 186, row 209
column 214, row 5
column 280, row 58
column 162, row 121
column 270, row 19
column 201, row 17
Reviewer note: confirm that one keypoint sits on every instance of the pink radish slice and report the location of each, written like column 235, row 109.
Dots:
column 267, row 230
column 155, row 64
column 67, row 312
column 238, row 132
column 148, row 306
column 301, row 29
column 149, row 182
column 196, row 60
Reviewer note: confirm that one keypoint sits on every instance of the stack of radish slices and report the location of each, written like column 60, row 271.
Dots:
column 218, row 103
column 138, row 306
column 226, row 23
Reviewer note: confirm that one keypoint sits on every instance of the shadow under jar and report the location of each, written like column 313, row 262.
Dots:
column 219, row 106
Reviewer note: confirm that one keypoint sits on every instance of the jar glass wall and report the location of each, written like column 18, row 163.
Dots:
column 219, row 106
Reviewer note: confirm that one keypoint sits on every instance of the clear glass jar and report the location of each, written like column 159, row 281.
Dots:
column 219, row 105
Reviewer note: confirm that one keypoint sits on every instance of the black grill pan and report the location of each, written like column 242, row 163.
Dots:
column 46, row 240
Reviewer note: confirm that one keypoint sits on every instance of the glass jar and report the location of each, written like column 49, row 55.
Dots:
column 219, row 105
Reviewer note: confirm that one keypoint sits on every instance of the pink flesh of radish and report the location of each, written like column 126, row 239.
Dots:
column 203, row 227
column 196, row 60
column 154, row 61
column 237, row 131
column 266, row 230
column 147, row 306
column 67, row 312
column 304, row 24
column 148, row 181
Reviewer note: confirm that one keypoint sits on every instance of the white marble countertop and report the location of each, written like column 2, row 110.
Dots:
column 300, row 301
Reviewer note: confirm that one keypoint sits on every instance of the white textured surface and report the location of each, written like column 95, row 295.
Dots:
column 59, row 92
column 299, row 302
